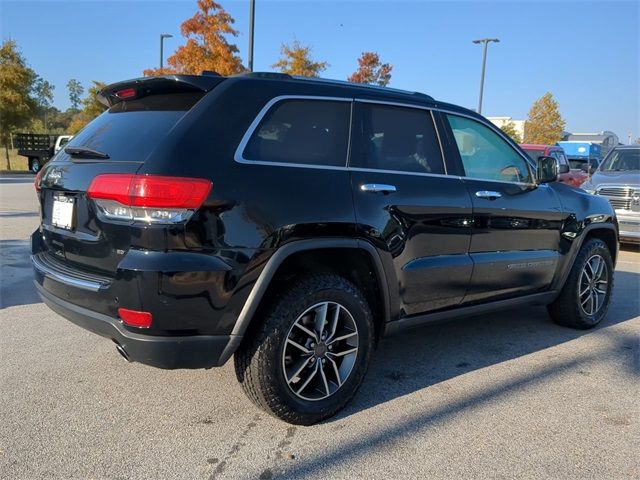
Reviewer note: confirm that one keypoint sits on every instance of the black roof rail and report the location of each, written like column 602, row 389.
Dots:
column 364, row 85
column 272, row 75
column 210, row 73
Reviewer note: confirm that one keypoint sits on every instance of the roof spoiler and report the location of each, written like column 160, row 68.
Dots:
column 141, row 87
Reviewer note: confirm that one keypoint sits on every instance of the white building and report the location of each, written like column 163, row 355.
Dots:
column 500, row 122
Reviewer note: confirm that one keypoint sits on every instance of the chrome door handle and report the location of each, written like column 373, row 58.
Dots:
column 488, row 194
column 377, row 188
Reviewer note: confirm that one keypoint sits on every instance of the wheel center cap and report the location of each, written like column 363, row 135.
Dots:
column 320, row 350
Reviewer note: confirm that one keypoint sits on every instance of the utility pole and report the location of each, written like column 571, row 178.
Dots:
column 252, row 14
column 485, row 42
column 162, row 37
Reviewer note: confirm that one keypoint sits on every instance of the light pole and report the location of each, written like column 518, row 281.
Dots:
column 162, row 37
column 252, row 13
column 485, row 42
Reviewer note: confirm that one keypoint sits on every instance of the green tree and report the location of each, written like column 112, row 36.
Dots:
column 44, row 97
column 75, row 93
column 296, row 60
column 371, row 70
column 510, row 129
column 545, row 124
column 16, row 87
column 91, row 108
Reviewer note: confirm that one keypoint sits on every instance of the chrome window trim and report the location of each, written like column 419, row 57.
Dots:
column 395, row 104
column 239, row 158
column 239, row 154
column 400, row 172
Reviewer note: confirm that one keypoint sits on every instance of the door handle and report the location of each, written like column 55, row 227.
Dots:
column 377, row 188
column 488, row 194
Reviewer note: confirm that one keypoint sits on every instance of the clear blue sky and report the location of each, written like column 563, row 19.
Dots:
column 585, row 53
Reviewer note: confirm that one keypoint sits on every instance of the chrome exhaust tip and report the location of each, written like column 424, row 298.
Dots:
column 122, row 352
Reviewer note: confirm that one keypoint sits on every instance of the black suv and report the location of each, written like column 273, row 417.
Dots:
column 295, row 222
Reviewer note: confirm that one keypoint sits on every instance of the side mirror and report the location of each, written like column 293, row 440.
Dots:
column 564, row 168
column 547, row 171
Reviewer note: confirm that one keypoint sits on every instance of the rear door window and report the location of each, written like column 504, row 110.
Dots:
column 312, row 132
column 563, row 159
column 397, row 138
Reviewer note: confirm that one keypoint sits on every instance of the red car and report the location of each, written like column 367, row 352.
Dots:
column 567, row 175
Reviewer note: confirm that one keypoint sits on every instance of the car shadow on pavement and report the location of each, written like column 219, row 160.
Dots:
column 431, row 355
column 16, row 275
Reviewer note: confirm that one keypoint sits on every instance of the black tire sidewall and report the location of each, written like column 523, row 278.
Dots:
column 593, row 247
column 287, row 314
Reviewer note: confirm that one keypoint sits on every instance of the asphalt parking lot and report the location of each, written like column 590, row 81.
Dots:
column 500, row 396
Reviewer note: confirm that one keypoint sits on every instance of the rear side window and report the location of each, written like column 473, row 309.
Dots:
column 560, row 157
column 534, row 154
column 485, row 154
column 397, row 138
column 314, row 132
column 129, row 131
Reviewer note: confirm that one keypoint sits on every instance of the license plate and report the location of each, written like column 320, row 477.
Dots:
column 62, row 214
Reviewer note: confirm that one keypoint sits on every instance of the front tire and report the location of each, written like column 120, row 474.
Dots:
column 309, row 355
column 586, row 295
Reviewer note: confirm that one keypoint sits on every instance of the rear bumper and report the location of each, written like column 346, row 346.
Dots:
column 195, row 351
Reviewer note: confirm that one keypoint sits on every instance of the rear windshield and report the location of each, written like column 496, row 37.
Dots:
column 129, row 131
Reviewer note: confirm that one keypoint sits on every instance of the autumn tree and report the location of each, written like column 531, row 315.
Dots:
column 91, row 108
column 296, row 60
column 75, row 93
column 17, row 104
column 371, row 70
column 207, row 47
column 544, row 125
column 509, row 128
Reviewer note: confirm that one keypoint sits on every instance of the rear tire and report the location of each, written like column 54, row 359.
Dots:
column 285, row 372
column 586, row 295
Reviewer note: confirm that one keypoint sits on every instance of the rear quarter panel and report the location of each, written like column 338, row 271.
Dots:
column 253, row 209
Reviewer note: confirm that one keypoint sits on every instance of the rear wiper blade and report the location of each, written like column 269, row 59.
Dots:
column 84, row 152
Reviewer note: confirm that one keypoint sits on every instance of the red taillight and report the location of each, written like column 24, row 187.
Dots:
column 135, row 318
column 126, row 93
column 152, row 198
column 150, row 190
column 38, row 181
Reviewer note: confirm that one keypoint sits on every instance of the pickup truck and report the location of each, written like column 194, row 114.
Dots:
column 585, row 156
column 39, row 147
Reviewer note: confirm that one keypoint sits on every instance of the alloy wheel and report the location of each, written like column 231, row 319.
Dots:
column 320, row 351
column 594, row 285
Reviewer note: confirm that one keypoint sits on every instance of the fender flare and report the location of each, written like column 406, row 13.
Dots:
column 575, row 248
column 282, row 253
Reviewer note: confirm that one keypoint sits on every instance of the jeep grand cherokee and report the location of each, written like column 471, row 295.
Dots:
column 292, row 223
